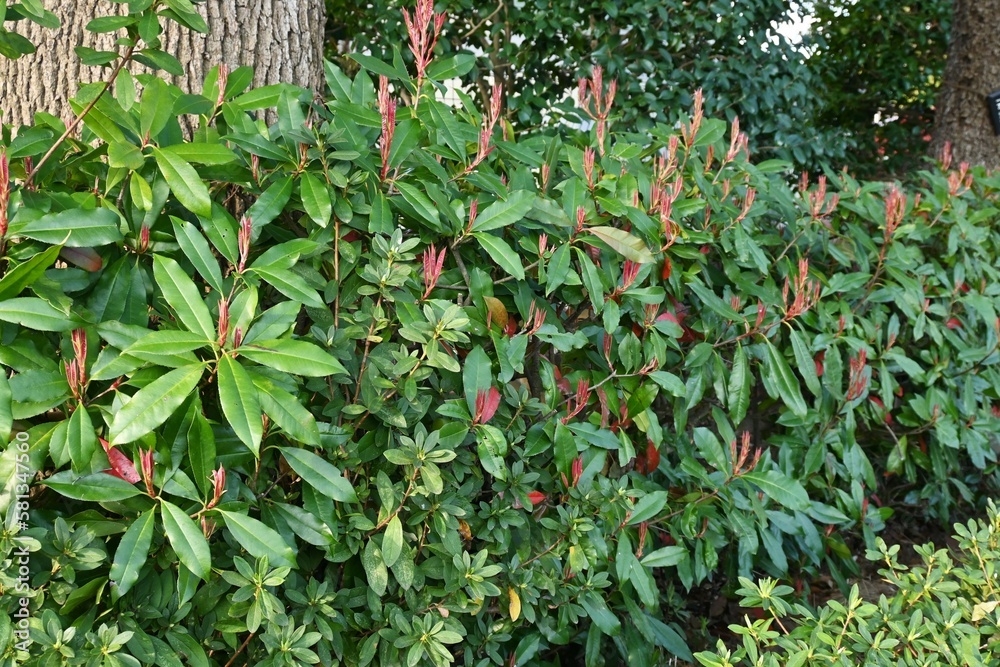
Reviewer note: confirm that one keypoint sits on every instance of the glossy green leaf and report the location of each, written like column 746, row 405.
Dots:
column 183, row 297
column 199, row 253
column 155, row 108
column 184, row 182
column 392, row 541
column 739, row 386
column 238, row 398
column 665, row 556
column 153, row 404
column 26, row 273
column 599, row 613
column 74, row 228
column 291, row 285
column 477, row 376
column 33, row 313
column 503, row 213
column 787, row 491
column 132, row 552
column 785, row 381
column 186, row 539
column 271, row 202
column 648, row 507
column 96, row 487
column 293, row 356
column 287, row 412
column 259, row 539
column 81, row 438
column 320, row 474
column 315, row 195
column 502, row 254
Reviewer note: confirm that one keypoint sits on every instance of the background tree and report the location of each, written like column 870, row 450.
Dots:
column 880, row 64
column 972, row 72
column 281, row 41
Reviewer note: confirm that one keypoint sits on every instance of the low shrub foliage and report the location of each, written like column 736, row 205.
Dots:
column 942, row 612
column 357, row 381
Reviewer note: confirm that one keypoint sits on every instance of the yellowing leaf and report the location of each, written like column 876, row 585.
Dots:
column 515, row 604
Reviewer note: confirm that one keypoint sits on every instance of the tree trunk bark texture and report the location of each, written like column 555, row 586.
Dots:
column 281, row 39
column 971, row 73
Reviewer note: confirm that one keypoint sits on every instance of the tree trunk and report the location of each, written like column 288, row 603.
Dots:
column 971, row 73
column 281, row 39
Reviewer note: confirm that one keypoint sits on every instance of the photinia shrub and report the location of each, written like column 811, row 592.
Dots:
column 350, row 381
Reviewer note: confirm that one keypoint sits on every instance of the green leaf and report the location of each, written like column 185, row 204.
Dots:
column 424, row 207
column 392, row 541
column 81, row 438
column 201, row 449
column 26, row 273
column 157, row 59
column 665, row 556
column 33, row 313
column 491, row 445
column 290, row 284
column 502, row 213
column 155, row 109
column 271, row 202
column 184, row 182
column 565, row 450
column 477, row 375
column 293, row 356
column 157, row 345
column 785, row 381
column 259, row 539
column 96, row 487
column 183, row 296
column 376, row 66
column 240, row 405
column 375, row 568
column 315, row 195
column 186, row 539
column 203, row 153
column 626, row 245
column 110, row 23
column 132, row 552
column 599, row 613
column 74, row 228
column 739, row 386
column 124, row 155
column 321, row 475
column 153, row 404
column 286, row 411
column 31, row 142
column 780, row 487
column 196, row 249
column 458, row 65
column 805, row 362
column 648, row 506
column 502, row 254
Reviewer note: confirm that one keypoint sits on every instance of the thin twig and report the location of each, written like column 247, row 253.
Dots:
column 240, row 649
column 76, row 122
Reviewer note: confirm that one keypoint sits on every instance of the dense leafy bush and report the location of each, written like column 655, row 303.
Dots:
column 941, row 613
column 382, row 382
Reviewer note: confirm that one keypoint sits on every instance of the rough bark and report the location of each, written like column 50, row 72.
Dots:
column 971, row 73
column 281, row 39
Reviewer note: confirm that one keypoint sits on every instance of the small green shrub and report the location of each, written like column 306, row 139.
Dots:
column 942, row 613
column 380, row 384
